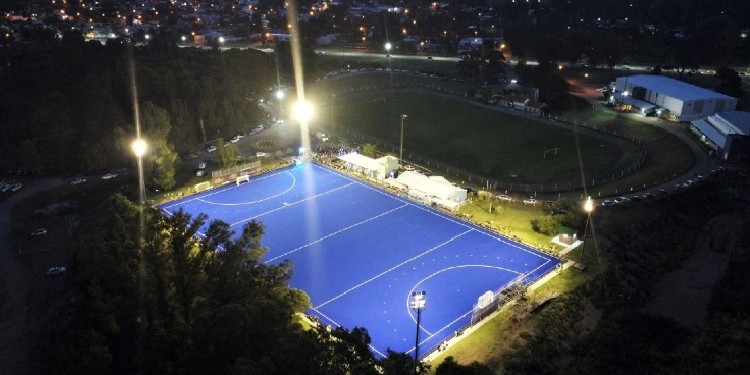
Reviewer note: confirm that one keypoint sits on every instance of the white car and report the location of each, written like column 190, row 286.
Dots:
column 530, row 201
column 260, row 154
column 200, row 173
column 109, row 176
column 211, row 148
column 38, row 232
column 78, row 181
column 54, row 271
column 505, row 197
column 202, row 165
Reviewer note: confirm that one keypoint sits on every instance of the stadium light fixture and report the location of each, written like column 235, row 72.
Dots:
column 303, row 111
column 139, row 147
column 418, row 303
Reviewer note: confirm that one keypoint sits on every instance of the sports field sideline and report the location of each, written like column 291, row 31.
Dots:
column 359, row 251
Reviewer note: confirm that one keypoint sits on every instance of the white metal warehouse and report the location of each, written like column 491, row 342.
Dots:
column 726, row 133
column 683, row 101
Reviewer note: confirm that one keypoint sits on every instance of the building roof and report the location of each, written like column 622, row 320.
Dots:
column 740, row 120
column 360, row 160
column 674, row 88
column 429, row 186
column 629, row 100
column 711, row 132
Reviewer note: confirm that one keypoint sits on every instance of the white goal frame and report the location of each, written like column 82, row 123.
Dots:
column 245, row 178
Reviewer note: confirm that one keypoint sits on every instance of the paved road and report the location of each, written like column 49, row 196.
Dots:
column 703, row 163
column 17, row 277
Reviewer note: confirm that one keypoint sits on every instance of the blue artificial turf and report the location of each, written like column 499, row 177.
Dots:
column 359, row 252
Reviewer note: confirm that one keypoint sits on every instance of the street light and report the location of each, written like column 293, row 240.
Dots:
column 401, row 148
column 588, row 206
column 418, row 303
column 388, row 48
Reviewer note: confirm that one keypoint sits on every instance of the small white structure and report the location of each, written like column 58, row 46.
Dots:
column 684, row 101
column 378, row 169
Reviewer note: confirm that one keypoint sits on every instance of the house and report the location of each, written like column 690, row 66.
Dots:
column 521, row 103
column 670, row 98
column 378, row 169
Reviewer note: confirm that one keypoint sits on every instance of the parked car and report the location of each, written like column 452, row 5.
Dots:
column 607, row 202
column 505, row 197
column 210, row 148
column 109, row 176
column 78, row 181
column 16, row 187
column 621, row 200
column 202, row 165
column 260, row 154
column 530, row 201
column 38, row 232
column 54, row 271
column 200, row 173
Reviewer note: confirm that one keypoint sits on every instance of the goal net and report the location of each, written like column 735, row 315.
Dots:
column 243, row 178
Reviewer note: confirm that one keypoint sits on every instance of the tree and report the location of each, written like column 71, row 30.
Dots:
column 369, row 149
column 227, row 153
column 730, row 82
column 30, row 158
column 449, row 366
column 164, row 161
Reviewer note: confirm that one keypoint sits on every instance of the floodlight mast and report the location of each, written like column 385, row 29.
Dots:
column 418, row 303
column 588, row 206
column 401, row 148
column 139, row 148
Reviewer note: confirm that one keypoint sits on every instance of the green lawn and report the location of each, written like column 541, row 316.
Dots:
column 502, row 147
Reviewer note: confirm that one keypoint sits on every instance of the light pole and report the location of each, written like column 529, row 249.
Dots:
column 418, row 303
column 588, row 206
column 401, row 148
column 139, row 149
column 333, row 96
column 304, row 112
column 280, row 97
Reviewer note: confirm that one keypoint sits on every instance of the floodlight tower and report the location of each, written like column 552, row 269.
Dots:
column 139, row 148
column 303, row 112
column 418, row 303
column 401, row 148
column 588, row 206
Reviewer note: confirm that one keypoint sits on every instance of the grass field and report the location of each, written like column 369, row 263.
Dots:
column 497, row 145
column 487, row 142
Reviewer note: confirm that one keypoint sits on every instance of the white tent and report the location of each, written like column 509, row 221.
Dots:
column 437, row 188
